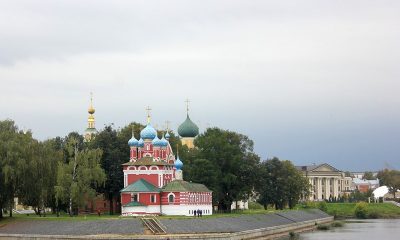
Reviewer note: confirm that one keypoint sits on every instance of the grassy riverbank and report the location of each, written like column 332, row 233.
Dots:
column 93, row 217
column 372, row 210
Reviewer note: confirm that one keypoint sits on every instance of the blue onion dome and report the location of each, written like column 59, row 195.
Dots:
column 178, row 164
column 148, row 132
column 164, row 142
column 133, row 142
column 156, row 142
column 140, row 143
column 167, row 136
column 188, row 128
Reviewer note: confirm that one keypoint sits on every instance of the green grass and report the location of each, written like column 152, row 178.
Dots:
column 53, row 217
column 91, row 217
column 374, row 210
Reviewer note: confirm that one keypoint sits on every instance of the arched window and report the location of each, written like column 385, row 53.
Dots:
column 171, row 198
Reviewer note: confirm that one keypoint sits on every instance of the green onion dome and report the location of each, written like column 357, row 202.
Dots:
column 188, row 128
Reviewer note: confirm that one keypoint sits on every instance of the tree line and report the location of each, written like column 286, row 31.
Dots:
column 63, row 173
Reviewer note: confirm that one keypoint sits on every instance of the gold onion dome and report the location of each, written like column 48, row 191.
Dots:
column 91, row 110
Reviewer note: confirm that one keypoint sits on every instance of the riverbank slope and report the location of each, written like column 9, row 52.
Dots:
column 237, row 227
column 373, row 210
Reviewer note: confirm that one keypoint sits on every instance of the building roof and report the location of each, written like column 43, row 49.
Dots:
column 358, row 181
column 147, row 161
column 311, row 168
column 141, row 185
column 183, row 186
column 134, row 204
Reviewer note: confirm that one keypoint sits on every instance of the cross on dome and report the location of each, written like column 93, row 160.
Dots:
column 148, row 109
column 187, row 105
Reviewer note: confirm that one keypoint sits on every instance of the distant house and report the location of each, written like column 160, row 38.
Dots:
column 326, row 182
column 361, row 174
column 363, row 185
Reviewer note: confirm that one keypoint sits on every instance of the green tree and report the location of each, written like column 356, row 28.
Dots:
column 77, row 178
column 13, row 157
column 281, row 184
column 40, row 174
column 114, row 145
column 297, row 186
column 391, row 179
column 229, row 154
column 369, row 176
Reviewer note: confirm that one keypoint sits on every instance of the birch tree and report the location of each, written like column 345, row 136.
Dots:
column 78, row 177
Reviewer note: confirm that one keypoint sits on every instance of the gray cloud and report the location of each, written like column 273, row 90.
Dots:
column 311, row 81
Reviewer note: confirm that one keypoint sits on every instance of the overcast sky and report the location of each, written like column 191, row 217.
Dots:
column 309, row 81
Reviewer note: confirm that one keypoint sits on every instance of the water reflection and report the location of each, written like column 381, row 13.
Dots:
column 364, row 229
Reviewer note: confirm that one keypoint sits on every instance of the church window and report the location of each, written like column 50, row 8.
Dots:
column 171, row 198
column 134, row 197
column 153, row 198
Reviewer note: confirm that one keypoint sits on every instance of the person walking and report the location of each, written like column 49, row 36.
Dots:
column 194, row 212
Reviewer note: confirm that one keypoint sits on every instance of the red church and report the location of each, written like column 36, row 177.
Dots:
column 153, row 182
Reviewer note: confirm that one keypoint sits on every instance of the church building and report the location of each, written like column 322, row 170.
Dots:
column 153, row 178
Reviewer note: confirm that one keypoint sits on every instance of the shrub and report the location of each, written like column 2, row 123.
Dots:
column 293, row 236
column 310, row 204
column 373, row 214
column 323, row 227
column 255, row 206
column 337, row 224
column 360, row 211
column 323, row 206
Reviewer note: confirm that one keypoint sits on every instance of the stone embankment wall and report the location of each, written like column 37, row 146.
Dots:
column 255, row 226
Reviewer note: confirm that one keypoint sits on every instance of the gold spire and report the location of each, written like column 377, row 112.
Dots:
column 91, row 129
column 91, row 109
column 148, row 109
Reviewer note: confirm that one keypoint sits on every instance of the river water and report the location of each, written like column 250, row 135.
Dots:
column 371, row 229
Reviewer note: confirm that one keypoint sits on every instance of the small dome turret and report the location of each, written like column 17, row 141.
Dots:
column 178, row 164
column 141, row 143
column 167, row 136
column 133, row 142
column 164, row 142
column 156, row 142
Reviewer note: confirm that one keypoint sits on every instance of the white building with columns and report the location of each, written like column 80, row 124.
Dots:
column 326, row 182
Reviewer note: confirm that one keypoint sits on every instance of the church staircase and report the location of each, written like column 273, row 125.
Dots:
column 154, row 225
